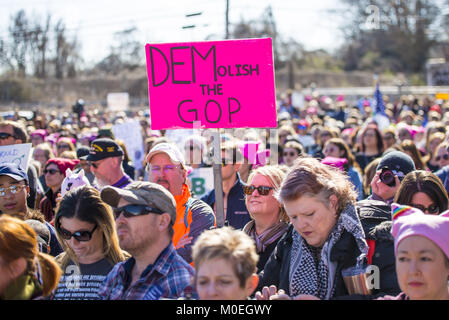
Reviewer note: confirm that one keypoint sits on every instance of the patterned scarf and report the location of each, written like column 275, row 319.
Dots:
column 311, row 271
column 267, row 237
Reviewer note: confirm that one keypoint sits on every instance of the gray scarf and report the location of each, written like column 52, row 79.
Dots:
column 311, row 271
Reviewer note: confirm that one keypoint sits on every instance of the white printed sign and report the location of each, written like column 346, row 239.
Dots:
column 16, row 153
column 118, row 101
column 202, row 180
column 131, row 134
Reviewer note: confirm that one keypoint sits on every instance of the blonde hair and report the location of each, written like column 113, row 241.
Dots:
column 228, row 244
column 275, row 175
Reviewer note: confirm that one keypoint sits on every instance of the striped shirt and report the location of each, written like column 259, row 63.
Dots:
column 166, row 278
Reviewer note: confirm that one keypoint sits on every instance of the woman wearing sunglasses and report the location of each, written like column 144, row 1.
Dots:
column 442, row 155
column 424, row 191
column 269, row 218
column 54, row 173
column 85, row 227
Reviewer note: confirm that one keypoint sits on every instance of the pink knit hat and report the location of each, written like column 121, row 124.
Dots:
column 409, row 221
column 335, row 162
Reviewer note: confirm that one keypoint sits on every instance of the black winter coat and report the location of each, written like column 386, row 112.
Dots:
column 276, row 271
column 375, row 217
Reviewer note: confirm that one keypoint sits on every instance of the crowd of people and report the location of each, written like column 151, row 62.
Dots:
column 344, row 192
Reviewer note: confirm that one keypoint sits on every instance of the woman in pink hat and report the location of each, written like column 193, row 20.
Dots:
column 421, row 243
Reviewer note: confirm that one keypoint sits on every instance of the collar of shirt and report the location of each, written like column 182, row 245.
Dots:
column 123, row 182
column 159, row 265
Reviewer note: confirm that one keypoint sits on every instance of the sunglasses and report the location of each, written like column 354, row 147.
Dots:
column 262, row 190
column 445, row 157
column 432, row 209
column 134, row 210
column 51, row 171
column 81, row 235
column 95, row 165
column 6, row 135
column 157, row 169
column 63, row 146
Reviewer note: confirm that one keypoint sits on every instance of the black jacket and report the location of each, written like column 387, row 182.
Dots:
column 375, row 217
column 276, row 271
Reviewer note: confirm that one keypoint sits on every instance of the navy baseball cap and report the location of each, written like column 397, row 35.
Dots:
column 14, row 171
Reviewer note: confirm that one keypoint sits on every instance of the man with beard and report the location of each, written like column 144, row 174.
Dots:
column 145, row 213
column 166, row 166
column 105, row 158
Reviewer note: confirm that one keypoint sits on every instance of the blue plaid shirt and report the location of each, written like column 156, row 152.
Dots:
column 166, row 278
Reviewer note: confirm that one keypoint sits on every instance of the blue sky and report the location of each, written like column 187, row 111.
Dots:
column 95, row 21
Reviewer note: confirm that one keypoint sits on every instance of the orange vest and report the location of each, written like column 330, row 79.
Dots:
column 183, row 216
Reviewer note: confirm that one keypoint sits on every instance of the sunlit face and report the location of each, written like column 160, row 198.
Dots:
column 423, row 202
column 84, row 250
column 421, row 269
column 312, row 219
column 39, row 155
column 370, row 138
column 13, row 201
column 433, row 144
column 166, row 173
column 258, row 205
column 53, row 176
column 442, row 156
column 8, row 138
column 216, row 280
column 332, row 150
column 36, row 139
column 138, row 233
column 289, row 156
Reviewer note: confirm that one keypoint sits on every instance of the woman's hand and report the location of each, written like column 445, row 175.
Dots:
column 271, row 293
column 305, row 297
column 185, row 239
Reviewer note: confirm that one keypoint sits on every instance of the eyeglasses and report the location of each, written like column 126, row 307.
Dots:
column 50, row 171
column 133, row 210
column 12, row 189
column 445, row 157
column 81, row 235
column 156, row 169
column 262, row 190
column 291, row 154
column 6, row 135
column 432, row 209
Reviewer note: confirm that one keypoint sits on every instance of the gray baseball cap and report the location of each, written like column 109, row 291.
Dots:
column 144, row 193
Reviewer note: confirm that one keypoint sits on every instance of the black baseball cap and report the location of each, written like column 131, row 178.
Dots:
column 103, row 148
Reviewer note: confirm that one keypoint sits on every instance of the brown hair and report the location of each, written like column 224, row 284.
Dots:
column 85, row 204
column 409, row 145
column 369, row 173
column 422, row 181
column 310, row 177
column 18, row 240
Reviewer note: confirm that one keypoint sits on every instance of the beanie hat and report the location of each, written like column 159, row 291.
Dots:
column 335, row 162
column 409, row 221
column 63, row 163
column 398, row 162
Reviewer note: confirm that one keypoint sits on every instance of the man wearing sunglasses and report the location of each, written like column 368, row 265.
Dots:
column 11, row 132
column 166, row 166
column 106, row 158
column 145, row 213
column 236, row 213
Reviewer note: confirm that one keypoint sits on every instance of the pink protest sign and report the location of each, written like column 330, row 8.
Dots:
column 211, row 84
